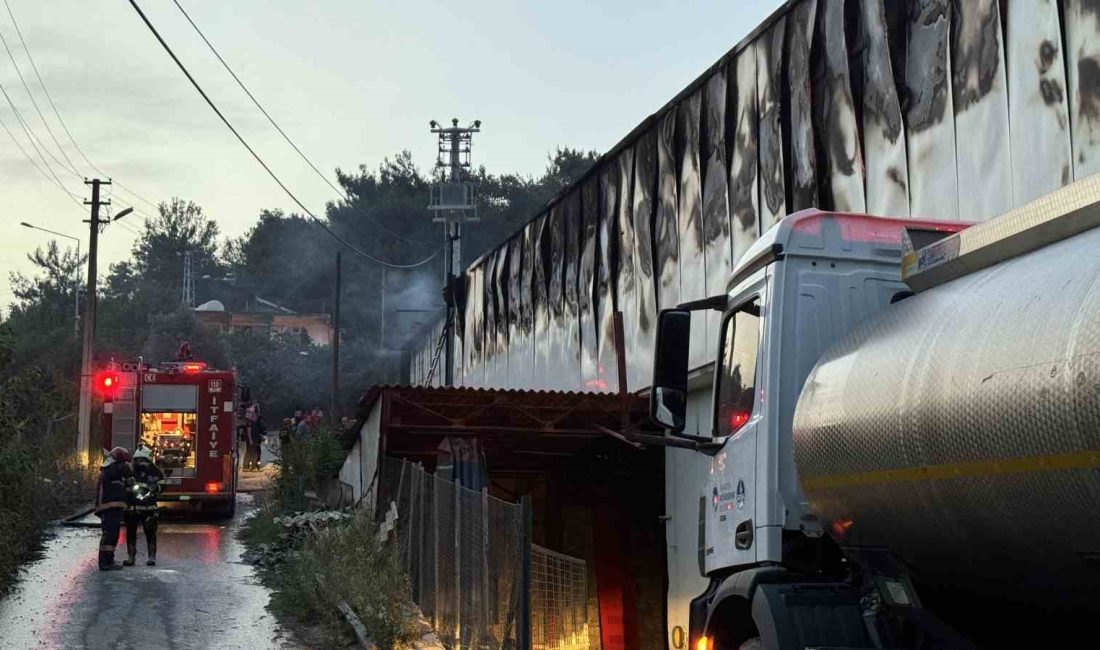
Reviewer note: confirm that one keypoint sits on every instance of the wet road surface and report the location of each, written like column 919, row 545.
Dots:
column 198, row 596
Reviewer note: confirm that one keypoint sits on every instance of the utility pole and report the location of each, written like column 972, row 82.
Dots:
column 382, row 329
column 84, row 423
column 335, row 344
column 452, row 199
column 187, row 296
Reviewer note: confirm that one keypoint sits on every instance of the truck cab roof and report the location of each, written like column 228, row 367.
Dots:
column 841, row 235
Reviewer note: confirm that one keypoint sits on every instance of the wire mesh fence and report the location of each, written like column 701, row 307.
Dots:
column 464, row 552
column 559, row 601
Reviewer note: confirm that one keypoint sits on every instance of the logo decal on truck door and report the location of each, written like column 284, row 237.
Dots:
column 740, row 494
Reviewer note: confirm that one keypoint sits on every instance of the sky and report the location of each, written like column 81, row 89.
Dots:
column 351, row 81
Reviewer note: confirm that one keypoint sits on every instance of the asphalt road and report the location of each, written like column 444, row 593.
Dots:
column 199, row 595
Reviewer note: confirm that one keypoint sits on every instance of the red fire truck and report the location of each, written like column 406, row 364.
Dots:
column 186, row 414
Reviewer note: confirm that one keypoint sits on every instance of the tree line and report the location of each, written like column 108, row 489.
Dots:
column 284, row 259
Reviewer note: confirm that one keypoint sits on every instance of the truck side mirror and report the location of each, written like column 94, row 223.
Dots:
column 668, row 393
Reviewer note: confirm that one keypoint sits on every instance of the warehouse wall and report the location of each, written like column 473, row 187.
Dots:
column 941, row 108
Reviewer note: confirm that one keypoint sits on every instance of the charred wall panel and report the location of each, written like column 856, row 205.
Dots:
column 835, row 115
column 802, row 175
column 930, row 124
column 716, row 212
column 532, row 258
column 473, row 371
column 693, row 269
column 586, row 283
column 981, row 110
column 546, row 296
column 500, row 281
column 551, row 351
column 489, row 349
column 570, row 364
column 626, row 297
column 644, row 207
column 518, row 364
column 1082, row 32
column 769, row 77
column 666, row 234
column 744, row 181
column 883, row 128
column 1042, row 155
column 607, row 258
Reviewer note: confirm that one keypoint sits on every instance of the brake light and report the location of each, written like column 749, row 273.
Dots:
column 738, row 420
column 193, row 366
column 213, row 488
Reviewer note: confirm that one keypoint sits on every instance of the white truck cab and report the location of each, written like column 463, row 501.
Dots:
column 807, row 281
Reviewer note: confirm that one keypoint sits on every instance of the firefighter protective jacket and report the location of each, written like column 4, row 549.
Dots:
column 111, row 491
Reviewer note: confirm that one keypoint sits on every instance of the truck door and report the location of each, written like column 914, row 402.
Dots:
column 731, row 522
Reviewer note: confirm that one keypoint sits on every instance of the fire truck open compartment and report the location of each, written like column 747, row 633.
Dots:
column 171, row 436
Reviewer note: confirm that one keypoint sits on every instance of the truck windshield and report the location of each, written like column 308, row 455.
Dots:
column 737, row 368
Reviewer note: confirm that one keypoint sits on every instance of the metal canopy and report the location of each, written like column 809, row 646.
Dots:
column 518, row 429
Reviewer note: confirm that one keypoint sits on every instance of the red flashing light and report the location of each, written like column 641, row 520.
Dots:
column 213, row 488
column 738, row 420
column 193, row 366
column 107, row 383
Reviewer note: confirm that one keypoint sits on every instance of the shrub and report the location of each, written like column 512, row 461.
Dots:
column 348, row 562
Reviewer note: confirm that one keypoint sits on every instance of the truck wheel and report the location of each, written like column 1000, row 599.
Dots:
column 754, row 643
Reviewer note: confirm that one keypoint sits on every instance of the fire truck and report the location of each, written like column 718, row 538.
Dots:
column 186, row 414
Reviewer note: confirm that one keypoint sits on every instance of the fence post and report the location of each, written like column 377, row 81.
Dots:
column 421, row 541
column 483, row 626
column 435, row 542
column 525, row 574
column 459, row 628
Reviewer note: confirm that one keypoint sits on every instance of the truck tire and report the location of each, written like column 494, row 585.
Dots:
column 754, row 643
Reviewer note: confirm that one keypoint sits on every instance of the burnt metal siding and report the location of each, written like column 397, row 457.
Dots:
column 955, row 109
column 607, row 259
column 586, row 283
column 715, row 197
column 693, row 267
column 645, row 280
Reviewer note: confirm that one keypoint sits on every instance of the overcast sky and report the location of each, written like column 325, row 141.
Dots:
column 352, row 81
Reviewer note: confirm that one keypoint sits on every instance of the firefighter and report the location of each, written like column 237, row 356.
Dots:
column 141, row 505
column 110, row 502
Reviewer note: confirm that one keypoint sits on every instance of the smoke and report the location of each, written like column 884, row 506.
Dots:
column 413, row 303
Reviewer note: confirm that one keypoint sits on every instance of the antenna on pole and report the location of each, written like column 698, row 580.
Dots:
column 452, row 201
column 187, row 296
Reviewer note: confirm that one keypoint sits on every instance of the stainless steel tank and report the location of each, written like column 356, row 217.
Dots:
column 961, row 428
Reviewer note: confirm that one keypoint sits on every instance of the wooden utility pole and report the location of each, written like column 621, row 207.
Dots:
column 84, row 423
column 335, row 344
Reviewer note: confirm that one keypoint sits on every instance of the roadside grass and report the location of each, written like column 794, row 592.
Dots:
column 38, row 486
column 312, row 559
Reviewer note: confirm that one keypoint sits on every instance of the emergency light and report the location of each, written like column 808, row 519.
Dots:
column 107, row 383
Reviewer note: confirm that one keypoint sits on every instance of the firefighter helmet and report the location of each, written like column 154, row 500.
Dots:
column 120, row 454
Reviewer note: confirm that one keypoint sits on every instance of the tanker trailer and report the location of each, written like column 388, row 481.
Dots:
column 902, row 459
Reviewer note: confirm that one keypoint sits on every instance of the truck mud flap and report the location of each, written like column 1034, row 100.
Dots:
column 801, row 616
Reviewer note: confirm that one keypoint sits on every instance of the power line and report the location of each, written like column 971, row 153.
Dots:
column 30, row 137
column 286, row 137
column 260, row 160
column 34, row 164
column 34, row 102
column 57, row 113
